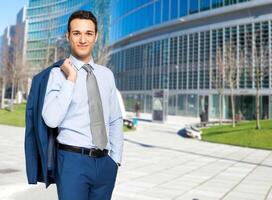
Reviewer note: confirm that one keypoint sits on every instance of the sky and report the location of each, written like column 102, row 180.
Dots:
column 8, row 12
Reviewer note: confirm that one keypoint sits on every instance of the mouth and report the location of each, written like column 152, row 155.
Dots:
column 85, row 46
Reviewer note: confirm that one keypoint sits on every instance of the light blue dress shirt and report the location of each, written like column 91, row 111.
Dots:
column 66, row 107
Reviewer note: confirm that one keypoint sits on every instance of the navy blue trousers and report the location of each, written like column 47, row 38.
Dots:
column 81, row 177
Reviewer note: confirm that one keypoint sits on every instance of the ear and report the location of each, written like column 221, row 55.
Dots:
column 67, row 36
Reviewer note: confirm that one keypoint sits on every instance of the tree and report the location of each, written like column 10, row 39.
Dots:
column 4, row 63
column 14, row 70
column 257, row 60
column 260, row 72
column 231, row 72
column 3, row 89
column 218, row 80
column 17, row 68
column 225, row 75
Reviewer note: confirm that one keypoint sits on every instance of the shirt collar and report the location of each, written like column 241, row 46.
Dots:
column 78, row 63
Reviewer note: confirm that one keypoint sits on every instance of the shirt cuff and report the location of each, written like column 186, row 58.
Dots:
column 116, row 159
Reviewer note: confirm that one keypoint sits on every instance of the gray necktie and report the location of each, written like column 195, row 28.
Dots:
column 98, row 129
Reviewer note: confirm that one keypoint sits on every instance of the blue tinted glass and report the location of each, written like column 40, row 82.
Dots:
column 194, row 6
column 119, row 33
column 183, row 8
column 174, row 9
column 85, row 7
column 134, row 21
column 126, row 6
column 139, row 20
column 204, row 4
column 150, row 14
column 121, row 7
column 158, row 12
column 217, row 3
column 229, row 2
column 144, row 16
column 130, row 23
column 125, row 26
column 165, row 5
column 132, row 4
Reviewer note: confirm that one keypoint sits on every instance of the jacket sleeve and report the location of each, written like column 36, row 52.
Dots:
column 31, row 151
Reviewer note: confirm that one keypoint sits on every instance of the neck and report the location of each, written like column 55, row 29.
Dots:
column 85, row 60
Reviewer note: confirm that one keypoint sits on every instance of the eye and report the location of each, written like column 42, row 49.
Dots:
column 89, row 33
column 75, row 33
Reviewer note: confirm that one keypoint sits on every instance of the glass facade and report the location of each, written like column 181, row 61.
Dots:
column 187, row 63
column 127, row 16
column 47, row 25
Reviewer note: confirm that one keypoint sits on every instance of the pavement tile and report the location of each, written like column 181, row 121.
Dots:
column 170, row 168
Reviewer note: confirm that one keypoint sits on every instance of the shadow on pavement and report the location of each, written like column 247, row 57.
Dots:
column 195, row 153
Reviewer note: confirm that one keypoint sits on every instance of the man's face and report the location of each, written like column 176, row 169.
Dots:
column 82, row 38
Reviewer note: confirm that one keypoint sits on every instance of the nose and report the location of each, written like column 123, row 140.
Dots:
column 82, row 39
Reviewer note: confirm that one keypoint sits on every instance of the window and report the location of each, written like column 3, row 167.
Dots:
column 183, row 8
column 158, row 12
column 165, row 6
column 217, row 3
column 204, row 5
column 194, row 6
column 174, row 9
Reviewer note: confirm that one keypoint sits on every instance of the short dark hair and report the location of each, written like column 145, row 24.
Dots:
column 82, row 14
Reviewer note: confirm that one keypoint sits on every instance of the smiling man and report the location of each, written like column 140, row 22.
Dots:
column 81, row 103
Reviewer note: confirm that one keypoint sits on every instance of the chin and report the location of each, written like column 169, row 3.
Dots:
column 83, row 55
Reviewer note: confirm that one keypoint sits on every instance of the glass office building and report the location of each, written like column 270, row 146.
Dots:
column 47, row 25
column 175, row 45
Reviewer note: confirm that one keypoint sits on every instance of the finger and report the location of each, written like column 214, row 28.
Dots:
column 69, row 61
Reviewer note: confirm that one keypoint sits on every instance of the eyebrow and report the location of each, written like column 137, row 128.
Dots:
column 77, row 31
column 90, row 31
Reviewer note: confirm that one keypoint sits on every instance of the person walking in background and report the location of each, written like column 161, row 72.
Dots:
column 137, row 109
column 74, row 123
column 204, row 116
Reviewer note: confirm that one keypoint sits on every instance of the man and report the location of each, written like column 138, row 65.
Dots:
column 80, row 102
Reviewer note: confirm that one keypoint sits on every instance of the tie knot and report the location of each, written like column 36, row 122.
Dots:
column 87, row 68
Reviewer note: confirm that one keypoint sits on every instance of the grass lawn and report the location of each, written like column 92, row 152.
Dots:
column 15, row 118
column 244, row 134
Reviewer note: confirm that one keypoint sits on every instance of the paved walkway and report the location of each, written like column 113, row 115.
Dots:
column 158, row 165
